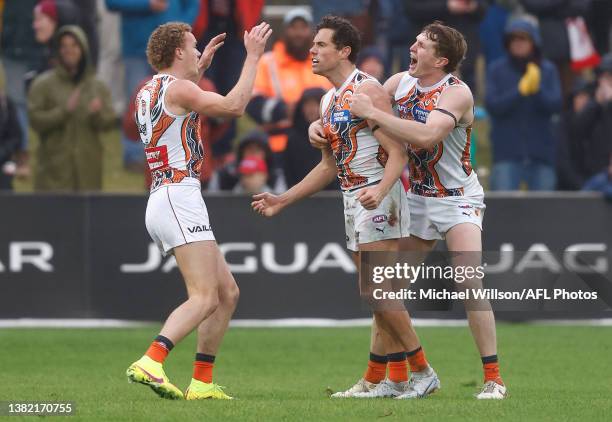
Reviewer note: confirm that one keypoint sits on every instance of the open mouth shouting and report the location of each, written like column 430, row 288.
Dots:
column 413, row 62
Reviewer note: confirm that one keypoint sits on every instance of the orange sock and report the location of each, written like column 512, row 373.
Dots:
column 377, row 369
column 398, row 371
column 159, row 349
column 490, row 366
column 203, row 367
column 491, row 372
column 417, row 360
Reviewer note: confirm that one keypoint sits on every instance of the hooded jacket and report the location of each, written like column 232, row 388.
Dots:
column 70, row 151
column 521, row 126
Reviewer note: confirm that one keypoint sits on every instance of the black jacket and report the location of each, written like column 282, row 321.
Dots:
column 593, row 126
column 10, row 132
column 552, row 15
column 300, row 156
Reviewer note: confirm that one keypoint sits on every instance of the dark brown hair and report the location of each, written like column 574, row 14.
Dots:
column 163, row 42
column 450, row 44
column 345, row 34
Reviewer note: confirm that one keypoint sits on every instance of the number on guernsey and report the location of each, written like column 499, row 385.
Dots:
column 144, row 117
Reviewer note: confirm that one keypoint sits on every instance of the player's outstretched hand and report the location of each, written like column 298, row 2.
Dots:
column 361, row 106
column 316, row 136
column 255, row 40
column 209, row 51
column 370, row 198
column 266, row 204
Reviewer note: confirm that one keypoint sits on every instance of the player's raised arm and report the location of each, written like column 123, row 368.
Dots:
column 453, row 105
column 320, row 176
column 189, row 97
column 370, row 197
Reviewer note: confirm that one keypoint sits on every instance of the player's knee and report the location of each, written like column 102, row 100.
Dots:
column 206, row 302
column 392, row 314
column 233, row 294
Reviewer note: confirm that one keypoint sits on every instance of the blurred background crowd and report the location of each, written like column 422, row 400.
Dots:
column 540, row 70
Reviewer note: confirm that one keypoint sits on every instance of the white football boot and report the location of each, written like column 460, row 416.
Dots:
column 362, row 386
column 421, row 384
column 386, row 388
column 492, row 391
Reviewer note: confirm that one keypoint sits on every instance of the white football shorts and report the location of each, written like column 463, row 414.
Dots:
column 176, row 215
column 391, row 220
column 431, row 218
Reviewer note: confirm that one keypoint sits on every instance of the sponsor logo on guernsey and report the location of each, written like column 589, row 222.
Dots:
column 419, row 114
column 157, row 157
column 403, row 109
column 379, row 218
column 342, row 116
column 199, row 229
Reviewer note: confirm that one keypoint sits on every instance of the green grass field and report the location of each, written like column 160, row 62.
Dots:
column 553, row 373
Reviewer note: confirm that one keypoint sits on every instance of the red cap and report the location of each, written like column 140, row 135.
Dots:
column 48, row 7
column 252, row 164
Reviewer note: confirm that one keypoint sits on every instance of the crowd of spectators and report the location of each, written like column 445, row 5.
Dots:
column 71, row 68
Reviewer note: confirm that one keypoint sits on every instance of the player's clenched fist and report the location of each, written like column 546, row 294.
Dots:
column 316, row 136
column 255, row 40
column 361, row 106
column 370, row 198
column 266, row 204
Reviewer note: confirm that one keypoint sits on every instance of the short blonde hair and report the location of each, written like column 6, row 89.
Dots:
column 163, row 42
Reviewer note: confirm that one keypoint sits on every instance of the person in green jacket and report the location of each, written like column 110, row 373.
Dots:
column 69, row 109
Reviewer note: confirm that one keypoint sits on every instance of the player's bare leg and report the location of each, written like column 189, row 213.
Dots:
column 212, row 330
column 210, row 335
column 377, row 346
column 380, row 342
column 378, row 360
column 398, row 337
column 466, row 237
column 423, row 379
column 396, row 323
column 198, row 265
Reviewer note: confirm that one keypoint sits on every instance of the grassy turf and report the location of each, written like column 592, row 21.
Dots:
column 553, row 373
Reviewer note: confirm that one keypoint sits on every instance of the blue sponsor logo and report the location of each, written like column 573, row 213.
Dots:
column 419, row 114
column 342, row 116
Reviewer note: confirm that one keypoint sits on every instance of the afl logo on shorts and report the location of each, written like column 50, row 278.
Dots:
column 379, row 218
